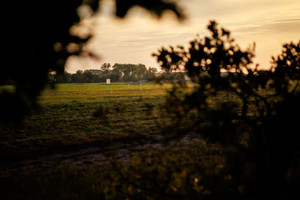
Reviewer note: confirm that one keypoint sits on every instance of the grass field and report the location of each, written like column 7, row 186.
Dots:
column 88, row 93
column 77, row 117
column 67, row 116
column 89, row 114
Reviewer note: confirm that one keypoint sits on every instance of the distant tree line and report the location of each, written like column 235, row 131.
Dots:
column 116, row 73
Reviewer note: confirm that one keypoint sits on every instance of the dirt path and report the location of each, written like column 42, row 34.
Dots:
column 119, row 151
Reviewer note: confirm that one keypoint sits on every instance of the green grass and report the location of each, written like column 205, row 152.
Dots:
column 87, row 114
column 67, row 116
column 88, row 93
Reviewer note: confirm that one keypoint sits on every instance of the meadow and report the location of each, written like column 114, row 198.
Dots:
column 80, row 116
column 84, row 114
column 91, row 141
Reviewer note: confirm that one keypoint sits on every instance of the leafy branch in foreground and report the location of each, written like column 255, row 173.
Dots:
column 255, row 114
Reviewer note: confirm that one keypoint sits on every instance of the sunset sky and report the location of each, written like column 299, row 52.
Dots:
column 268, row 23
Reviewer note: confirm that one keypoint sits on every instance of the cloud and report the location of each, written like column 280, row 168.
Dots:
column 269, row 23
column 283, row 26
column 268, row 36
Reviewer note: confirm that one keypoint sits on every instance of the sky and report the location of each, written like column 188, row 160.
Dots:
column 268, row 23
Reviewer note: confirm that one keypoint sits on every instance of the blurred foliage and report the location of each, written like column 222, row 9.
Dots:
column 38, row 39
column 157, row 7
column 258, row 129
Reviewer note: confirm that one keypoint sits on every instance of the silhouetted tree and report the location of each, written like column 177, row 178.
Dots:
column 259, row 132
